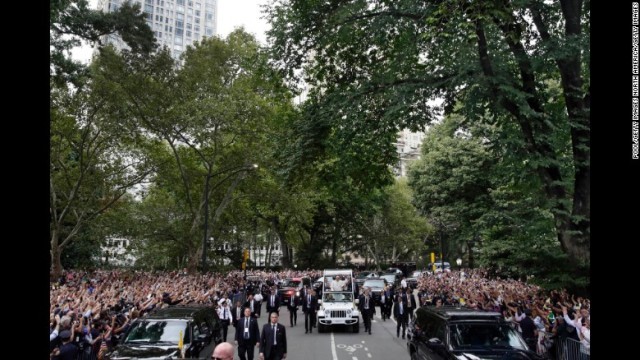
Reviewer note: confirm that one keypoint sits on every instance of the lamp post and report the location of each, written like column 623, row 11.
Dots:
column 231, row 171
column 459, row 262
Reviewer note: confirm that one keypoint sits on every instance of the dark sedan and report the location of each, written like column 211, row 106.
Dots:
column 376, row 286
column 289, row 288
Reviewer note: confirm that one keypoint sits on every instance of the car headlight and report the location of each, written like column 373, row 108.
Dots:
column 297, row 293
column 348, row 312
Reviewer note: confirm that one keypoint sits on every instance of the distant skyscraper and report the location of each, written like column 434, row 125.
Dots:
column 408, row 147
column 175, row 23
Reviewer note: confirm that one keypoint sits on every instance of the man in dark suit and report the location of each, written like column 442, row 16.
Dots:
column 254, row 306
column 237, row 312
column 273, row 340
column 411, row 303
column 366, row 306
column 273, row 302
column 309, row 305
column 292, row 306
column 400, row 313
column 247, row 335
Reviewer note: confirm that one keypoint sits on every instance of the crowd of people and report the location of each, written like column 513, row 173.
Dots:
column 100, row 305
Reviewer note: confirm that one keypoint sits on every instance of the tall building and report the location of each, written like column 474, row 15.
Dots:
column 408, row 147
column 175, row 23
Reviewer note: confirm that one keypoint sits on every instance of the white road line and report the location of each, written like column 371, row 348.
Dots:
column 369, row 355
column 355, row 358
column 333, row 347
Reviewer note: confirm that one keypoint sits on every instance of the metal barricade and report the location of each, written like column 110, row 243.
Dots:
column 569, row 349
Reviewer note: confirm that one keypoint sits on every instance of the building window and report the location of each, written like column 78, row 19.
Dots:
column 179, row 32
column 180, row 2
column 179, row 24
column 209, row 31
column 148, row 9
column 188, row 33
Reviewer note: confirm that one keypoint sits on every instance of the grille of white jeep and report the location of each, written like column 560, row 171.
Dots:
column 338, row 313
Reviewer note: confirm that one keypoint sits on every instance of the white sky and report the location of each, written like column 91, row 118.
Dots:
column 231, row 14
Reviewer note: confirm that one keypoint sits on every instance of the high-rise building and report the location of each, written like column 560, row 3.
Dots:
column 408, row 147
column 175, row 23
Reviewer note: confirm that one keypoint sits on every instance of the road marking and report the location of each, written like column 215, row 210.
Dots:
column 355, row 358
column 369, row 355
column 333, row 347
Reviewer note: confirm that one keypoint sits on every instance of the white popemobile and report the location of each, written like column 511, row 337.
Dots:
column 338, row 305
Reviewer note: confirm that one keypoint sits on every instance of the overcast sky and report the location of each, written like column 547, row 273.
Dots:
column 231, row 14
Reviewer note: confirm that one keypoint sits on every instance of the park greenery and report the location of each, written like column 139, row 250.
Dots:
column 213, row 146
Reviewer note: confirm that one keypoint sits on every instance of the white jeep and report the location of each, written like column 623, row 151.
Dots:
column 339, row 307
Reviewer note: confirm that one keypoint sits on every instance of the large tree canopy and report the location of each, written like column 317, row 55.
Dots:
column 71, row 21
column 375, row 65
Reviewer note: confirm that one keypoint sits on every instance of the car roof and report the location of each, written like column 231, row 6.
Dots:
column 460, row 313
column 177, row 312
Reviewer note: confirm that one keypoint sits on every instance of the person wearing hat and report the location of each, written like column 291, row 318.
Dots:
column 68, row 350
column 224, row 313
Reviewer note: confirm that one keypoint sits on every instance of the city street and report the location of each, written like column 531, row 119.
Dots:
column 342, row 344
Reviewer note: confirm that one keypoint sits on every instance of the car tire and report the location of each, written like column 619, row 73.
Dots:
column 356, row 328
column 414, row 355
column 320, row 328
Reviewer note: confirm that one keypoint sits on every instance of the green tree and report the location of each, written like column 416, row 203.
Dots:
column 93, row 163
column 71, row 22
column 375, row 64
column 212, row 114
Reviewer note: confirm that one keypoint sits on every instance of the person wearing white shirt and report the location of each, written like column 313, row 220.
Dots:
column 224, row 313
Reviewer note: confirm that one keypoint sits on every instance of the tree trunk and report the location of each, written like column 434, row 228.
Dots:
column 56, row 253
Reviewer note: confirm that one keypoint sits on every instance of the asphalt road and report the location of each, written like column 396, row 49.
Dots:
column 341, row 344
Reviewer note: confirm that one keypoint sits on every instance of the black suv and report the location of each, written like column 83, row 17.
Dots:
column 448, row 333
column 157, row 336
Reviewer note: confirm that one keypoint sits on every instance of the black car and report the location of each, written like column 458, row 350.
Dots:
column 157, row 336
column 376, row 286
column 448, row 333
column 290, row 288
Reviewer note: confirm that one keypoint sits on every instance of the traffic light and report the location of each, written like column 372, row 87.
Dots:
column 245, row 255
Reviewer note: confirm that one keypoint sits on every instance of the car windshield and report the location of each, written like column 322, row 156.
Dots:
column 153, row 331
column 337, row 296
column 484, row 335
column 416, row 274
column 391, row 278
column 363, row 275
column 374, row 283
column 291, row 283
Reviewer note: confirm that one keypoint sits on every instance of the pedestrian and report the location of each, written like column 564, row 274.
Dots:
column 223, row 351
column 400, row 313
column 366, row 305
column 225, row 319
column 309, row 305
column 247, row 335
column 292, row 306
column 273, row 340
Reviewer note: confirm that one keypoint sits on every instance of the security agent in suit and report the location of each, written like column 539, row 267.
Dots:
column 273, row 302
column 253, row 305
column 247, row 335
column 400, row 313
column 273, row 340
column 292, row 306
column 366, row 305
column 309, row 307
column 237, row 312
column 411, row 302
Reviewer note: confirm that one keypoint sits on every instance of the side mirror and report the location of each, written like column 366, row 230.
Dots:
column 435, row 343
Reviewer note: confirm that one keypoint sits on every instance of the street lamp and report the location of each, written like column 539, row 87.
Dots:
column 231, row 171
column 459, row 262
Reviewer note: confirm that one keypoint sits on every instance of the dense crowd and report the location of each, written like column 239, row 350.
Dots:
column 94, row 308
